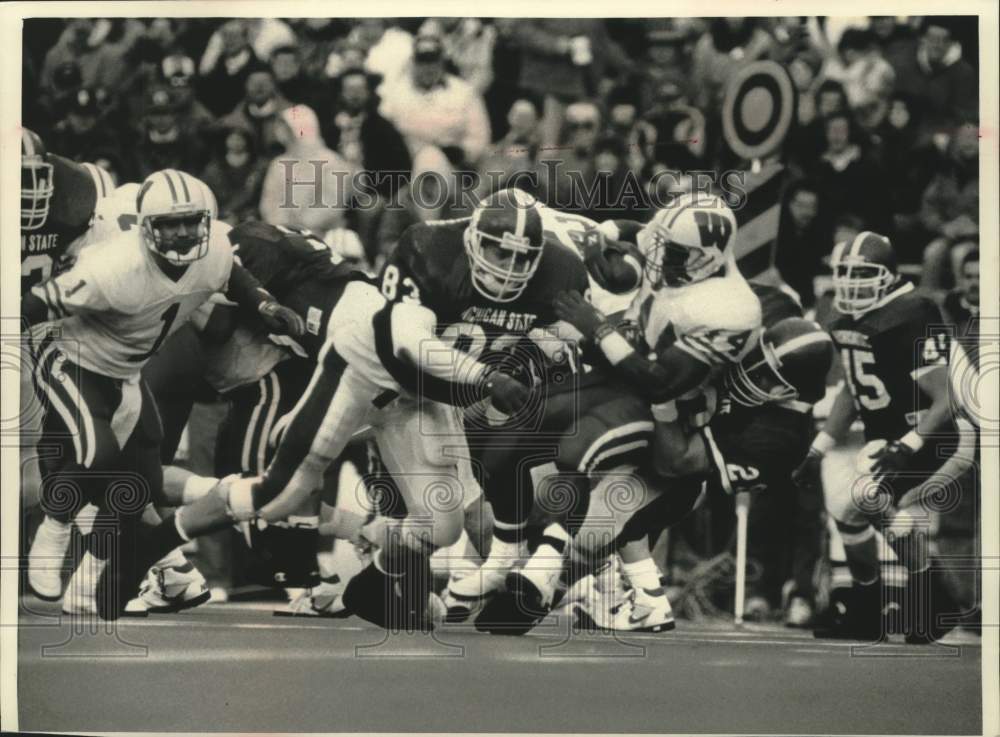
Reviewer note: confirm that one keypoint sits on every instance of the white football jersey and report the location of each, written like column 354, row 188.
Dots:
column 569, row 228
column 116, row 305
column 713, row 320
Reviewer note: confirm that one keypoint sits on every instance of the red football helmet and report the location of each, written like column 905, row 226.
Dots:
column 504, row 242
column 36, row 181
column 790, row 361
column 864, row 271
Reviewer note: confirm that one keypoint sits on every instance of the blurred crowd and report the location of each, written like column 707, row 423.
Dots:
column 884, row 134
column 884, row 137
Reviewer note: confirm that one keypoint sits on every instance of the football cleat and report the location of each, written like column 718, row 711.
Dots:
column 591, row 608
column 799, row 613
column 45, row 559
column 531, row 595
column 644, row 610
column 323, row 600
column 168, row 589
column 79, row 598
column 757, row 609
column 465, row 597
column 856, row 614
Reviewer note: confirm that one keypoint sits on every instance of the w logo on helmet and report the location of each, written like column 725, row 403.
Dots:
column 714, row 229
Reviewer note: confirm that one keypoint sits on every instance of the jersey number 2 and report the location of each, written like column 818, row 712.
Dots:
column 168, row 317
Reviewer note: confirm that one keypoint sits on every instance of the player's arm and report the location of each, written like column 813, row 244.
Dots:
column 247, row 292
column 408, row 346
column 678, row 369
column 73, row 292
column 834, row 431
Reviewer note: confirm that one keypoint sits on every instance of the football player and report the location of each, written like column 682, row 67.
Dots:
column 894, row 348
column 506, row 452
column 115, row 306
column 692, row 317
column 389, row 360
column 757, row 435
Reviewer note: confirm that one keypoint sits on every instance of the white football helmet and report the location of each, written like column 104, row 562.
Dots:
column 175, row 212
column 687, row 241
column 104, row 183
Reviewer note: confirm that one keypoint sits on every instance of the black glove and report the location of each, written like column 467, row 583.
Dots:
column 891, row 459
column 807, row 476
column 281, row 320
column 508, row 394
column 578, row 312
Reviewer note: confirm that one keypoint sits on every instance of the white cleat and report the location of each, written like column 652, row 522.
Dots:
column 644, row 611
column 590, row 606
column 167, row 589
column 324, row 600
column 465, row 597
column 80, row 597
column 45, row 560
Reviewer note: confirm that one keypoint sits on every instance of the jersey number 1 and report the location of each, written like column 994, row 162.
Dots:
column 168, row 317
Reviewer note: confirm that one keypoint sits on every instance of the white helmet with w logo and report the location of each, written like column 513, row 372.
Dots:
column 688, row 240
column 175, row 211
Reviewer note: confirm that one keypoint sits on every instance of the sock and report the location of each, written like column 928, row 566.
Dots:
column 175, row 559
column 861, row 550
column 166, row 536
column 504, row 554
column 642, row 574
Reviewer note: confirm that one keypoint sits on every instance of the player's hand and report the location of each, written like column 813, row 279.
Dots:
column 578, row 312
column 508, row 394
column 808, row 474
column 891, row 458
column 281, row 320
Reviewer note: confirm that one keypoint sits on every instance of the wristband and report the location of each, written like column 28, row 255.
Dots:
column 614, row 346
column 822, row 443
column 912, row 440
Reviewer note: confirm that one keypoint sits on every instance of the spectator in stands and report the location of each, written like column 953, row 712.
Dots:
column 617, row 191
column 361, row 135
column 258, row 112
column 297, row 87
column 858, row 65
column 563, row 60
column 178, row 72
column 100, row 61
column 934, row 73
column 802, row 242
column 236, row 175
column 894, row 39
column 317, row 40
column 468, row 44
column 961, row 304
column 164, row 144
column 674, row 119
column 431, row 107
column 430, row 195
column 639, row 136
column 370, row 145
column 807, row 140
column 80, row 133
column 224, row 74
column 516, row 154
column 307, row 186
column 849, row 179
column 727, row 46
column 950, row 208
column 567, row 172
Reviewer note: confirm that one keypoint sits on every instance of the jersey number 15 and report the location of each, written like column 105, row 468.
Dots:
column 868, row 389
